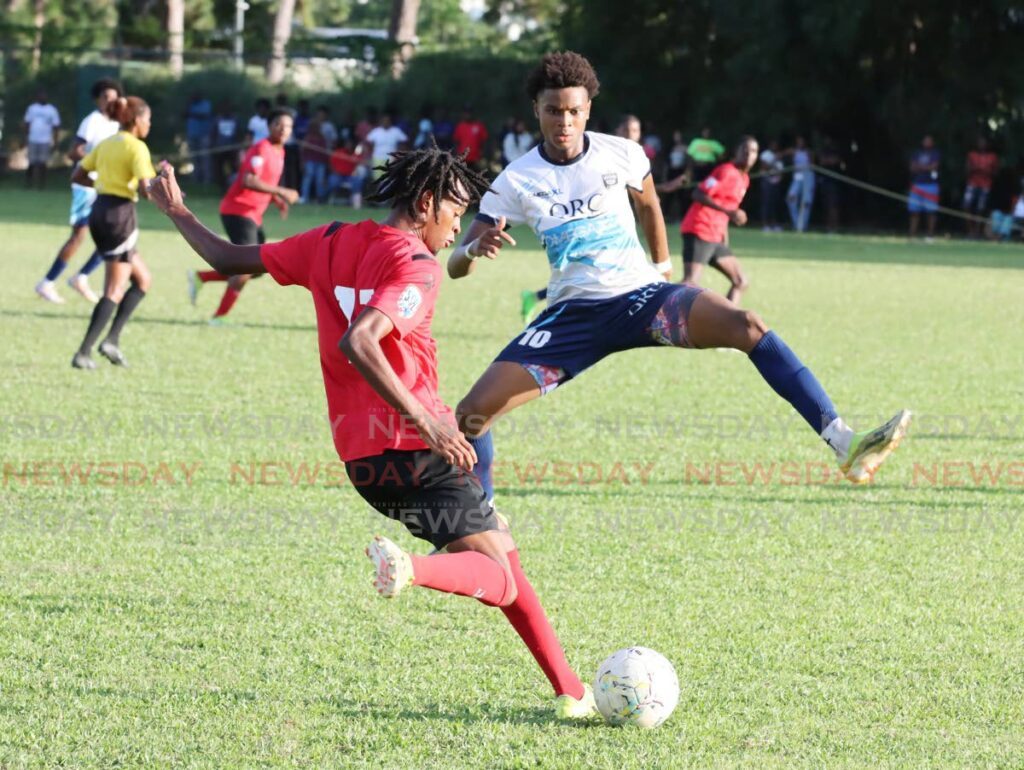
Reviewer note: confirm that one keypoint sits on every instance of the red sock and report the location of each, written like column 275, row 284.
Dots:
column 466, row 573
column 226, row 302
column 205, row 276
column 528, row 619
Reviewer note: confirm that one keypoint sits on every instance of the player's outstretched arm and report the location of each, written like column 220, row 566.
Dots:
column 221, row 255
column 361, row 345
column 481, row 240
column 648, row 211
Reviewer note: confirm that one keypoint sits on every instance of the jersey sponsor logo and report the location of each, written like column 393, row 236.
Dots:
column 545, row 193
column 610, row 180
column 409, row 301
column 640, row 298
column 590, row 204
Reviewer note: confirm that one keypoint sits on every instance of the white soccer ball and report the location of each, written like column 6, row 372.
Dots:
column 636, row 686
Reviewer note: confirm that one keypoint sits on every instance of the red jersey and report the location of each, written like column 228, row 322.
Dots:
column 981, row 168
column 726, row 186
column 266, row 161
column 469, row 137
column 348, row 268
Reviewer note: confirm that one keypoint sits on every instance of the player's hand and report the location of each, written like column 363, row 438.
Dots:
column 289, row 195
column 667, row 272
column 448, row 442
column 490, row 241
column 164, row 190
column 282, row 206
column 738, row 217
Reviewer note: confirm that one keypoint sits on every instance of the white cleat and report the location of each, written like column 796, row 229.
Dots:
column 393, row 565
column 80, row 283
column 45, row 290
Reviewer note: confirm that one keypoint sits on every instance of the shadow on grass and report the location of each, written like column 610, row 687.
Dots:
column 449, row 712
column 199, row 324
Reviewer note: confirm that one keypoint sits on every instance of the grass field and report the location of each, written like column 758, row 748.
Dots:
column 190, row 595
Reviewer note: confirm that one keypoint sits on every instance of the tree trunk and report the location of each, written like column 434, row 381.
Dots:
column 176, row 36
column 38, row 20
column 402, row 31
column 282, row 32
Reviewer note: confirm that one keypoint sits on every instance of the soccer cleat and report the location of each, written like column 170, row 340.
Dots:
column 112, row 353
column 217, row 320
column 868, row 450
column 393, row 565
column 45, row 290
column 571, row 709
column 194, row 285
column 80, row 283
column 82, row 361
column 528, row 305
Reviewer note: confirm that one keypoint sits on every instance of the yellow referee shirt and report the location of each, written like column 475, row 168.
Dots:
column 120, row 162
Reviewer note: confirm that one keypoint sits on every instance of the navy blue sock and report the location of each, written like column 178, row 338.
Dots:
column 793, row 381
column 56, row 269
column 484, row 447
column 94, row 261
column 542, row 293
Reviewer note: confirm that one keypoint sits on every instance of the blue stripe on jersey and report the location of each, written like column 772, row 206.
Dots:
column 583, row 240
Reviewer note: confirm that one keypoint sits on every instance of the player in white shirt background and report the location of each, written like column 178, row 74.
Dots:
column 41, row 123
column 385, row 138
column 93, row 129
column 604, row 296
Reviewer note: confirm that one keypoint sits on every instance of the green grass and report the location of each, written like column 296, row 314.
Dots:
column 214, row 622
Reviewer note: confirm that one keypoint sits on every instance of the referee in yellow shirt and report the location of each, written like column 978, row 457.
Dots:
column 123, row 169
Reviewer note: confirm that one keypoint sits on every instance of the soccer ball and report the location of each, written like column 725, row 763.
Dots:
column 636, row 686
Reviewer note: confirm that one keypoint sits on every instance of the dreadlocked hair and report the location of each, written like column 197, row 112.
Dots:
column 410, row 173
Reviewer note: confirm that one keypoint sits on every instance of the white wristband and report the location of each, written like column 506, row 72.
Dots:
column 662, row 267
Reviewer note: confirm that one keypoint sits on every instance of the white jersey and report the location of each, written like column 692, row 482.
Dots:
column 94, row 128
column 580, row 211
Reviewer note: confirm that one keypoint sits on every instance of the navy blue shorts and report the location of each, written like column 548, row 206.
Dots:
column 572, row 336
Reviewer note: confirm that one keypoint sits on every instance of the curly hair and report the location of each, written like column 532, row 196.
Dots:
column 126, row 110
column 409, row 173
column 562, row 69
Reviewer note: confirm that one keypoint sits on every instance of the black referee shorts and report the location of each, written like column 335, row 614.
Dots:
column 435, row 500
column 703, row 252
column 114, row 228
column 242, row 231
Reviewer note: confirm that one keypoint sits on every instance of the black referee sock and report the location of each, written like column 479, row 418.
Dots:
column 129, row 302
column 100, row 315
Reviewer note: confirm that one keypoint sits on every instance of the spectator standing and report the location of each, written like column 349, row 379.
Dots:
column 314, row 155
column 225, row 136
column 348, row 169
column 800, row 196
column 982, row 165
column 199, row 136
column 424, row 130
column 519, row 142
column 469, row 137
column 293, row 147
column 704, row 154
column 924, row 186
column 675, row 167
column 444, row 128
column 367, row 124
column 771, row 186
column 385, row 138
column 41, row 123
column 327, row 127
column 256, row 129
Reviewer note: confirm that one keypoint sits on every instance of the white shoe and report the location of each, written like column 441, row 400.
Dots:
column 45, row 290
column 393, row 565
column 80, row 283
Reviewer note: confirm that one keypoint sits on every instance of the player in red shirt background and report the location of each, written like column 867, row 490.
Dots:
column 982, row 165
column 374, row 286
column 469, row 137
column 243, row 206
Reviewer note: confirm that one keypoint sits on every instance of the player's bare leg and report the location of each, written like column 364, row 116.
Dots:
column 504, row 386
column 691, row 272
column 716, row 322
column 731, row 269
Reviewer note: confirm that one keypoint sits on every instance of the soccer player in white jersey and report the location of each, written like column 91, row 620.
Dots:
column 573, row 191
column 93, row 129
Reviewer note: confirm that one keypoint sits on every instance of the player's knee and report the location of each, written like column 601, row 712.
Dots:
column 472, row 421
column 741, row 282
column 752, row 328
column 142, row 281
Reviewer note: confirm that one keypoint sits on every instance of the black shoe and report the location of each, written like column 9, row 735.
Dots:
column 112, row 353
column 82, row 361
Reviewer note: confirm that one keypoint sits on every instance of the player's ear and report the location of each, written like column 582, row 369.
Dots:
column 425, row 204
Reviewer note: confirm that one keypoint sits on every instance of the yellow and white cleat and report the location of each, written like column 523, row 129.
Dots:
column 570, row 709
column 393, row 565
column 869, row 450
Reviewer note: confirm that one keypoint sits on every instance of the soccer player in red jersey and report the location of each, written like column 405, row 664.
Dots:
column 705, row 228
column 374, row 286
column 241, row 211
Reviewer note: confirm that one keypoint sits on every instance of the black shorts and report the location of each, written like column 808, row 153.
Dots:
column 703, row 252
column 435, row 500
column 114, row 228
column 242, row 231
